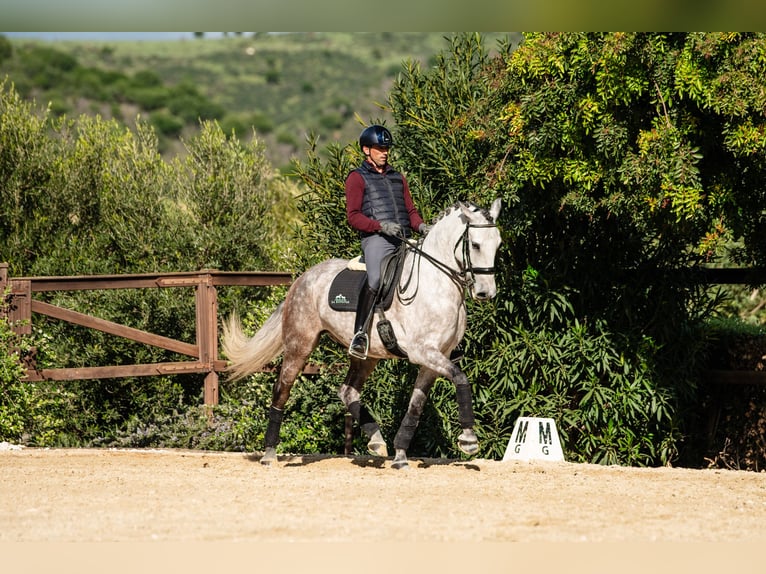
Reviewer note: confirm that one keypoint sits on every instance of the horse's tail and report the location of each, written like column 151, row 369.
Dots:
column 250, row 354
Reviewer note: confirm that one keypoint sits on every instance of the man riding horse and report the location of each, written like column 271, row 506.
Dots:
column 379, row 206
column 457, row 257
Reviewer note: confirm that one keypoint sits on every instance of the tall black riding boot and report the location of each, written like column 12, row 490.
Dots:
column 360, row 343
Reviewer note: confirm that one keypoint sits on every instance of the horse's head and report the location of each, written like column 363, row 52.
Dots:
column 476, row 252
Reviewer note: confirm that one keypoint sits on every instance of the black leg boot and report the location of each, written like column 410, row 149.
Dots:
column 361, row 341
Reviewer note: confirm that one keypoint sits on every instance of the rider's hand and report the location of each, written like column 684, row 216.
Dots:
column 423, row 229
column 391, row 228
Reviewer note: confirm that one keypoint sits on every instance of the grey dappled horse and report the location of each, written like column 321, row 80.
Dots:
column 428, row 317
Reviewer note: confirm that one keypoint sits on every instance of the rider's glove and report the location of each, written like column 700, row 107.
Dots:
column 423, row 229
column 391, row 228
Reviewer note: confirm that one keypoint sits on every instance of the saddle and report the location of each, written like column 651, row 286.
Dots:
column 348, row 283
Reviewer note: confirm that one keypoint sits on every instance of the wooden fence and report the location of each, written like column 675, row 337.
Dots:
column 203, row 352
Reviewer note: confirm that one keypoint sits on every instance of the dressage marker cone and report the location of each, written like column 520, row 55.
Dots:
column 534, row 439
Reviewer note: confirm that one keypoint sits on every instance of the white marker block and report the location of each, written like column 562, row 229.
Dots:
column 534, row 439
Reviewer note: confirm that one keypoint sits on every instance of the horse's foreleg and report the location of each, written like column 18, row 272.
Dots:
column 350, row 394
column 467, row 442
column 440, row 365
column 409, row 423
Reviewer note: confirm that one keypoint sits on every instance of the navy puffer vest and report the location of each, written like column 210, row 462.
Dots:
column 384, row 196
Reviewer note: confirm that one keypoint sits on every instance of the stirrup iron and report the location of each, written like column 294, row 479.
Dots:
column 359, row 336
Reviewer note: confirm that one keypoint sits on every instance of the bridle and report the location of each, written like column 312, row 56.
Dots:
column 464, row 276
column 467, row 267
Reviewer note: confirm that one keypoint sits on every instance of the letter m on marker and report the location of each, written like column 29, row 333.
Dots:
column 545, row 433
column 521, row 433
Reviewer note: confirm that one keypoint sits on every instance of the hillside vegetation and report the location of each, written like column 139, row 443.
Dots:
column 282, row 87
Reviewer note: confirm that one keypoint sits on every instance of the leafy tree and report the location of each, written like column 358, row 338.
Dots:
column 231, row 196
column 616, row 156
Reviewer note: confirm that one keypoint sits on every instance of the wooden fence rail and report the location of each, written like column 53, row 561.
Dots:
column 203, row 352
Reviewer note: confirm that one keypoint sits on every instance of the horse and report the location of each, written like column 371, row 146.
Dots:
column 427, row 316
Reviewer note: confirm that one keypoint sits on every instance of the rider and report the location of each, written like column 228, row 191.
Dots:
column 379, row 206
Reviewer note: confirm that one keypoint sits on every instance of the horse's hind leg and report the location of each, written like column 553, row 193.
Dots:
column 294, row 359
column 350, row 393
column 280, row 394
column 403, row 438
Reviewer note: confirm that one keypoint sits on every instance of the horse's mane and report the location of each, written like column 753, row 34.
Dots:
column 455, row 206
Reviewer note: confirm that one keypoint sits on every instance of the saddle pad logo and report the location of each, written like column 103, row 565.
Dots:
column 341, row 299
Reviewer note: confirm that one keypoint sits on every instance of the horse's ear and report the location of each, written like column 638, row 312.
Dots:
column 494, row 211
column 465, row 208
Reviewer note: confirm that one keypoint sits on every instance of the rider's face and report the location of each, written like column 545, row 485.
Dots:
column 378, row 156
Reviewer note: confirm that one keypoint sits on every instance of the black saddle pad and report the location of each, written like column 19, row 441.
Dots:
column 346, row 286
column 345, row 289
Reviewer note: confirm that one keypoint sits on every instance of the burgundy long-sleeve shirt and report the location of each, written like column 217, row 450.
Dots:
column 354, row 196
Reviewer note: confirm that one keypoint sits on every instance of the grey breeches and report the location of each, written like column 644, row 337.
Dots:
column 375, row 248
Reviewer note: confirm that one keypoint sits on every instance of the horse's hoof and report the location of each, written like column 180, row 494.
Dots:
column 269, row 456
column 400, row 460
column 468, row 444
column 376, row 446
column 400, row 465
column 377, row 449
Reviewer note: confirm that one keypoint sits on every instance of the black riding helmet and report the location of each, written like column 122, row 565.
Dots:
column 375, row 135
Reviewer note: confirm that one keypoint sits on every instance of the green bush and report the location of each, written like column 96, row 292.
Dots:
column 167, row 124
column 541, row 360
column 15, row 397
column 149, row 98
column 186, row 101
column 6, row 48
column 30, row 412
column 261, row 123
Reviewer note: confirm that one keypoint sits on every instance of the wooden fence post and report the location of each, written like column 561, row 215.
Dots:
column 207, row 335
column 19, row 311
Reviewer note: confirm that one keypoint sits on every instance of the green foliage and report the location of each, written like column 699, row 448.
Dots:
column 323, row 205
column 186, row 101
column 87, row 196
column 15, row 397
column 167, row 124
column 106, row 201
column 540, row 359
column 30, row 412
column 58, row 76
column 290, row 83
column 434, row 112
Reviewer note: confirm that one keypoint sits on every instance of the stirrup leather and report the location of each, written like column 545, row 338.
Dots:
column 360, row 344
